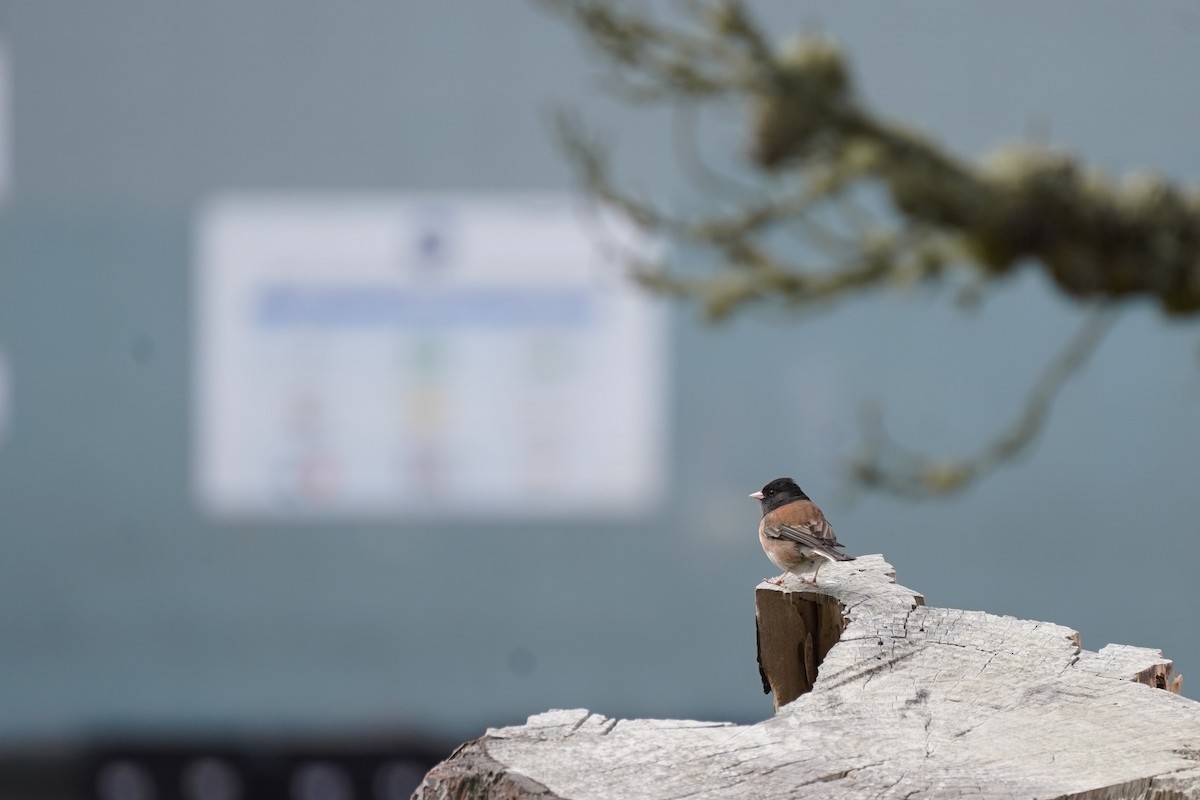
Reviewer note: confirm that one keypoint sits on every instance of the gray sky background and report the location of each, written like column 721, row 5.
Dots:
column 120, row 603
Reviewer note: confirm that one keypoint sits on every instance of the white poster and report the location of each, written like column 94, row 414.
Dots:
column 458, row 356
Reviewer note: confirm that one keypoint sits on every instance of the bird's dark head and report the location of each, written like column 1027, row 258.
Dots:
column 778, row 492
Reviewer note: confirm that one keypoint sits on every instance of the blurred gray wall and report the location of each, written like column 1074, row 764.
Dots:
column 121, row 604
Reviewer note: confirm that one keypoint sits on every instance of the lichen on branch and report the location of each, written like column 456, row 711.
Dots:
column 817, row 148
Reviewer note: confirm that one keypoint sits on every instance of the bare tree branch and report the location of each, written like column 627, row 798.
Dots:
column 884, row 464
column 874, row 203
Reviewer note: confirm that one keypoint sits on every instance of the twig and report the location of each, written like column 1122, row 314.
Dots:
column 921, row 475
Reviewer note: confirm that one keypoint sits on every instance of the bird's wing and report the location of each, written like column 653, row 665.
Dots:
column 816, row 533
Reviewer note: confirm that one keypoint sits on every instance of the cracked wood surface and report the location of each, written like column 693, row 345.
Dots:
column 797, row 627
column 911, row 702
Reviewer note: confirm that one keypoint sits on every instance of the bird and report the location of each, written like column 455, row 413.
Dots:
column 794, row 532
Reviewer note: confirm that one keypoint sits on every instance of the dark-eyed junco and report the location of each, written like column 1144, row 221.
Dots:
column 794, row 533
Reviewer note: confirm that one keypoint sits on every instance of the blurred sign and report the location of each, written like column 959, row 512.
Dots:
column 461, row 355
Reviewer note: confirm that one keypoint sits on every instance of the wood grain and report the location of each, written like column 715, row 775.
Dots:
column 910, row 702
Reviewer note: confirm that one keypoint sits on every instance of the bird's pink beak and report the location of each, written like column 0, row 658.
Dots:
column 756, row 496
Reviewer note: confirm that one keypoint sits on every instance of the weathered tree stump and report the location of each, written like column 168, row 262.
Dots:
column 877, row 696
column 797, row 627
